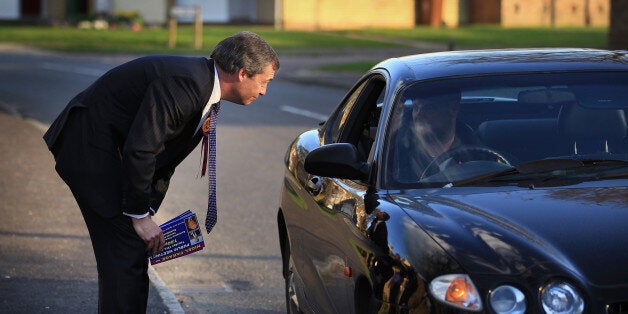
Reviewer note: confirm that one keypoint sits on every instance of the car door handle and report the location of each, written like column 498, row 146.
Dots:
column 315, row 185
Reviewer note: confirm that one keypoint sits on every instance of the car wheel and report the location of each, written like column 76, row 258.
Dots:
column 292, row 303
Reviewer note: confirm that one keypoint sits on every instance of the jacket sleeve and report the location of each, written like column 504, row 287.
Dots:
column 166, row 107
column 159, row 189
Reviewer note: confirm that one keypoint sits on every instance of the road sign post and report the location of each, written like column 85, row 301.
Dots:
column 185, row 12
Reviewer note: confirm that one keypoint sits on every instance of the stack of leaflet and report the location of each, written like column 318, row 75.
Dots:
column 183, row 236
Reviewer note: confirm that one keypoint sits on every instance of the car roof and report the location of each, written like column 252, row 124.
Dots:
column 479, row 62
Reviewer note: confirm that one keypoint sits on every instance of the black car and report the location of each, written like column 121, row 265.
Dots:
column 474, row 181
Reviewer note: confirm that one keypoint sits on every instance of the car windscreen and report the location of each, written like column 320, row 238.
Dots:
column 513, row 128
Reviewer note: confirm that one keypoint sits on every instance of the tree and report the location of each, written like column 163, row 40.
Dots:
column 618, row 29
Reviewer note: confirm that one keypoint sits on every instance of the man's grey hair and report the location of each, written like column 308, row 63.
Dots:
column 245, row 50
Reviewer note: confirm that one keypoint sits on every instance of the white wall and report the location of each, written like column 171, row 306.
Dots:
column 9, row 9
column 103, row 6
column 152, row 11
column 243, row 10
column 214, row 11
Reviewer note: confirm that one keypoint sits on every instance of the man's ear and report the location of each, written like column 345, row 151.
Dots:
column 241, row 75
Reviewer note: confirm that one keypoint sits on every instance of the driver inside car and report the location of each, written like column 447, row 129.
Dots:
column 434, row 127
column 430, row 132
column 430, row 139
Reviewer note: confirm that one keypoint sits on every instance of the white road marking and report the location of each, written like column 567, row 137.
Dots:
column 72, row 69
column 303, row 112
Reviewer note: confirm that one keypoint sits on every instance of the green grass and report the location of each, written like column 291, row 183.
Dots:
column 154, row 40
column 476, row 37
column 492, row 36
column 358, row 66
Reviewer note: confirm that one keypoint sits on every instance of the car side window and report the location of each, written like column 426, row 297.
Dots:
column 365, row 128
column 356, row 122
column 342, row 114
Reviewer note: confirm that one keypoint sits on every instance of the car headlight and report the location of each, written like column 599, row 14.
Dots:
column 507, row 300
column 457, row 290
column 560, row 297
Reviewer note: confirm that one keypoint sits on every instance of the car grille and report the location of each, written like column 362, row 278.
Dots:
column 617, row 308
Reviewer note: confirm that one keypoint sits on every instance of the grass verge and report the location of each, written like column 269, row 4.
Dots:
column 154, row 40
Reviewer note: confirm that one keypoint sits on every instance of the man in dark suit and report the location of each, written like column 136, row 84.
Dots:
column 117, row 144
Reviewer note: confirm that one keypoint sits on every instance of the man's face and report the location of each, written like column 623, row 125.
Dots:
column 435, row 121
column 438, row 119
column 251, row 87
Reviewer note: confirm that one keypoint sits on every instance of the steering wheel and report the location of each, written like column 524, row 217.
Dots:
column 463, row 154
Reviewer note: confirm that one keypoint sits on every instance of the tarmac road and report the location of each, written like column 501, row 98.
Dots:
column 46, row 261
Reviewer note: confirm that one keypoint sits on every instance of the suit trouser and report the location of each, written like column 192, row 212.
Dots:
column 120, row 253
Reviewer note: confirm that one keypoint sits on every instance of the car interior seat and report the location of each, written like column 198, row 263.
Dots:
column 593, row 130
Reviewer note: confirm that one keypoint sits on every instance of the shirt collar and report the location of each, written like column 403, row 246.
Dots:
column 213, row 98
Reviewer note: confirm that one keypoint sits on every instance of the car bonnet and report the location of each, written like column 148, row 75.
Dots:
column 579, row 231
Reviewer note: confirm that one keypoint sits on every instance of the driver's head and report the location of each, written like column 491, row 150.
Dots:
column 435, row 118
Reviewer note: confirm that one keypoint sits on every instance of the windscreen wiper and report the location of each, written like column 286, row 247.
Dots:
column 536, row 166
column 552, row 164
column 543, row 166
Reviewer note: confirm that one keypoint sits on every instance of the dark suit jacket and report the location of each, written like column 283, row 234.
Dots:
column 139, row 122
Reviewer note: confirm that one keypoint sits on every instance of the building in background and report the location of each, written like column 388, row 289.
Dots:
column 347, row 14
column 557, row 13
column 44, row 11
column 514, row 13
column 152, row 12
column 328, row 14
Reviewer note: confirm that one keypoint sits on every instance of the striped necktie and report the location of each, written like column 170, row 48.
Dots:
column 208, row 150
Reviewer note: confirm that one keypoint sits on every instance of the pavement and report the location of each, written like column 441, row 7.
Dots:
column 46, row 260
column 41, row 231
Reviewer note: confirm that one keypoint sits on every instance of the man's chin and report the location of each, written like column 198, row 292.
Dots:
column 242, row 103
column 250, row 101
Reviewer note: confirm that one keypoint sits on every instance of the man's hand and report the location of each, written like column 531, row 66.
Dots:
column 150, row 232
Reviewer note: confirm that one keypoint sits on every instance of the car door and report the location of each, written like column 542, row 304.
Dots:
column 325, row 242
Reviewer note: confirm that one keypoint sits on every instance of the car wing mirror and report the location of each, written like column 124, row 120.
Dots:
column 338, row 160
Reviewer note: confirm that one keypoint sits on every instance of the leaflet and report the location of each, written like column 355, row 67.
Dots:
column 182, row 235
